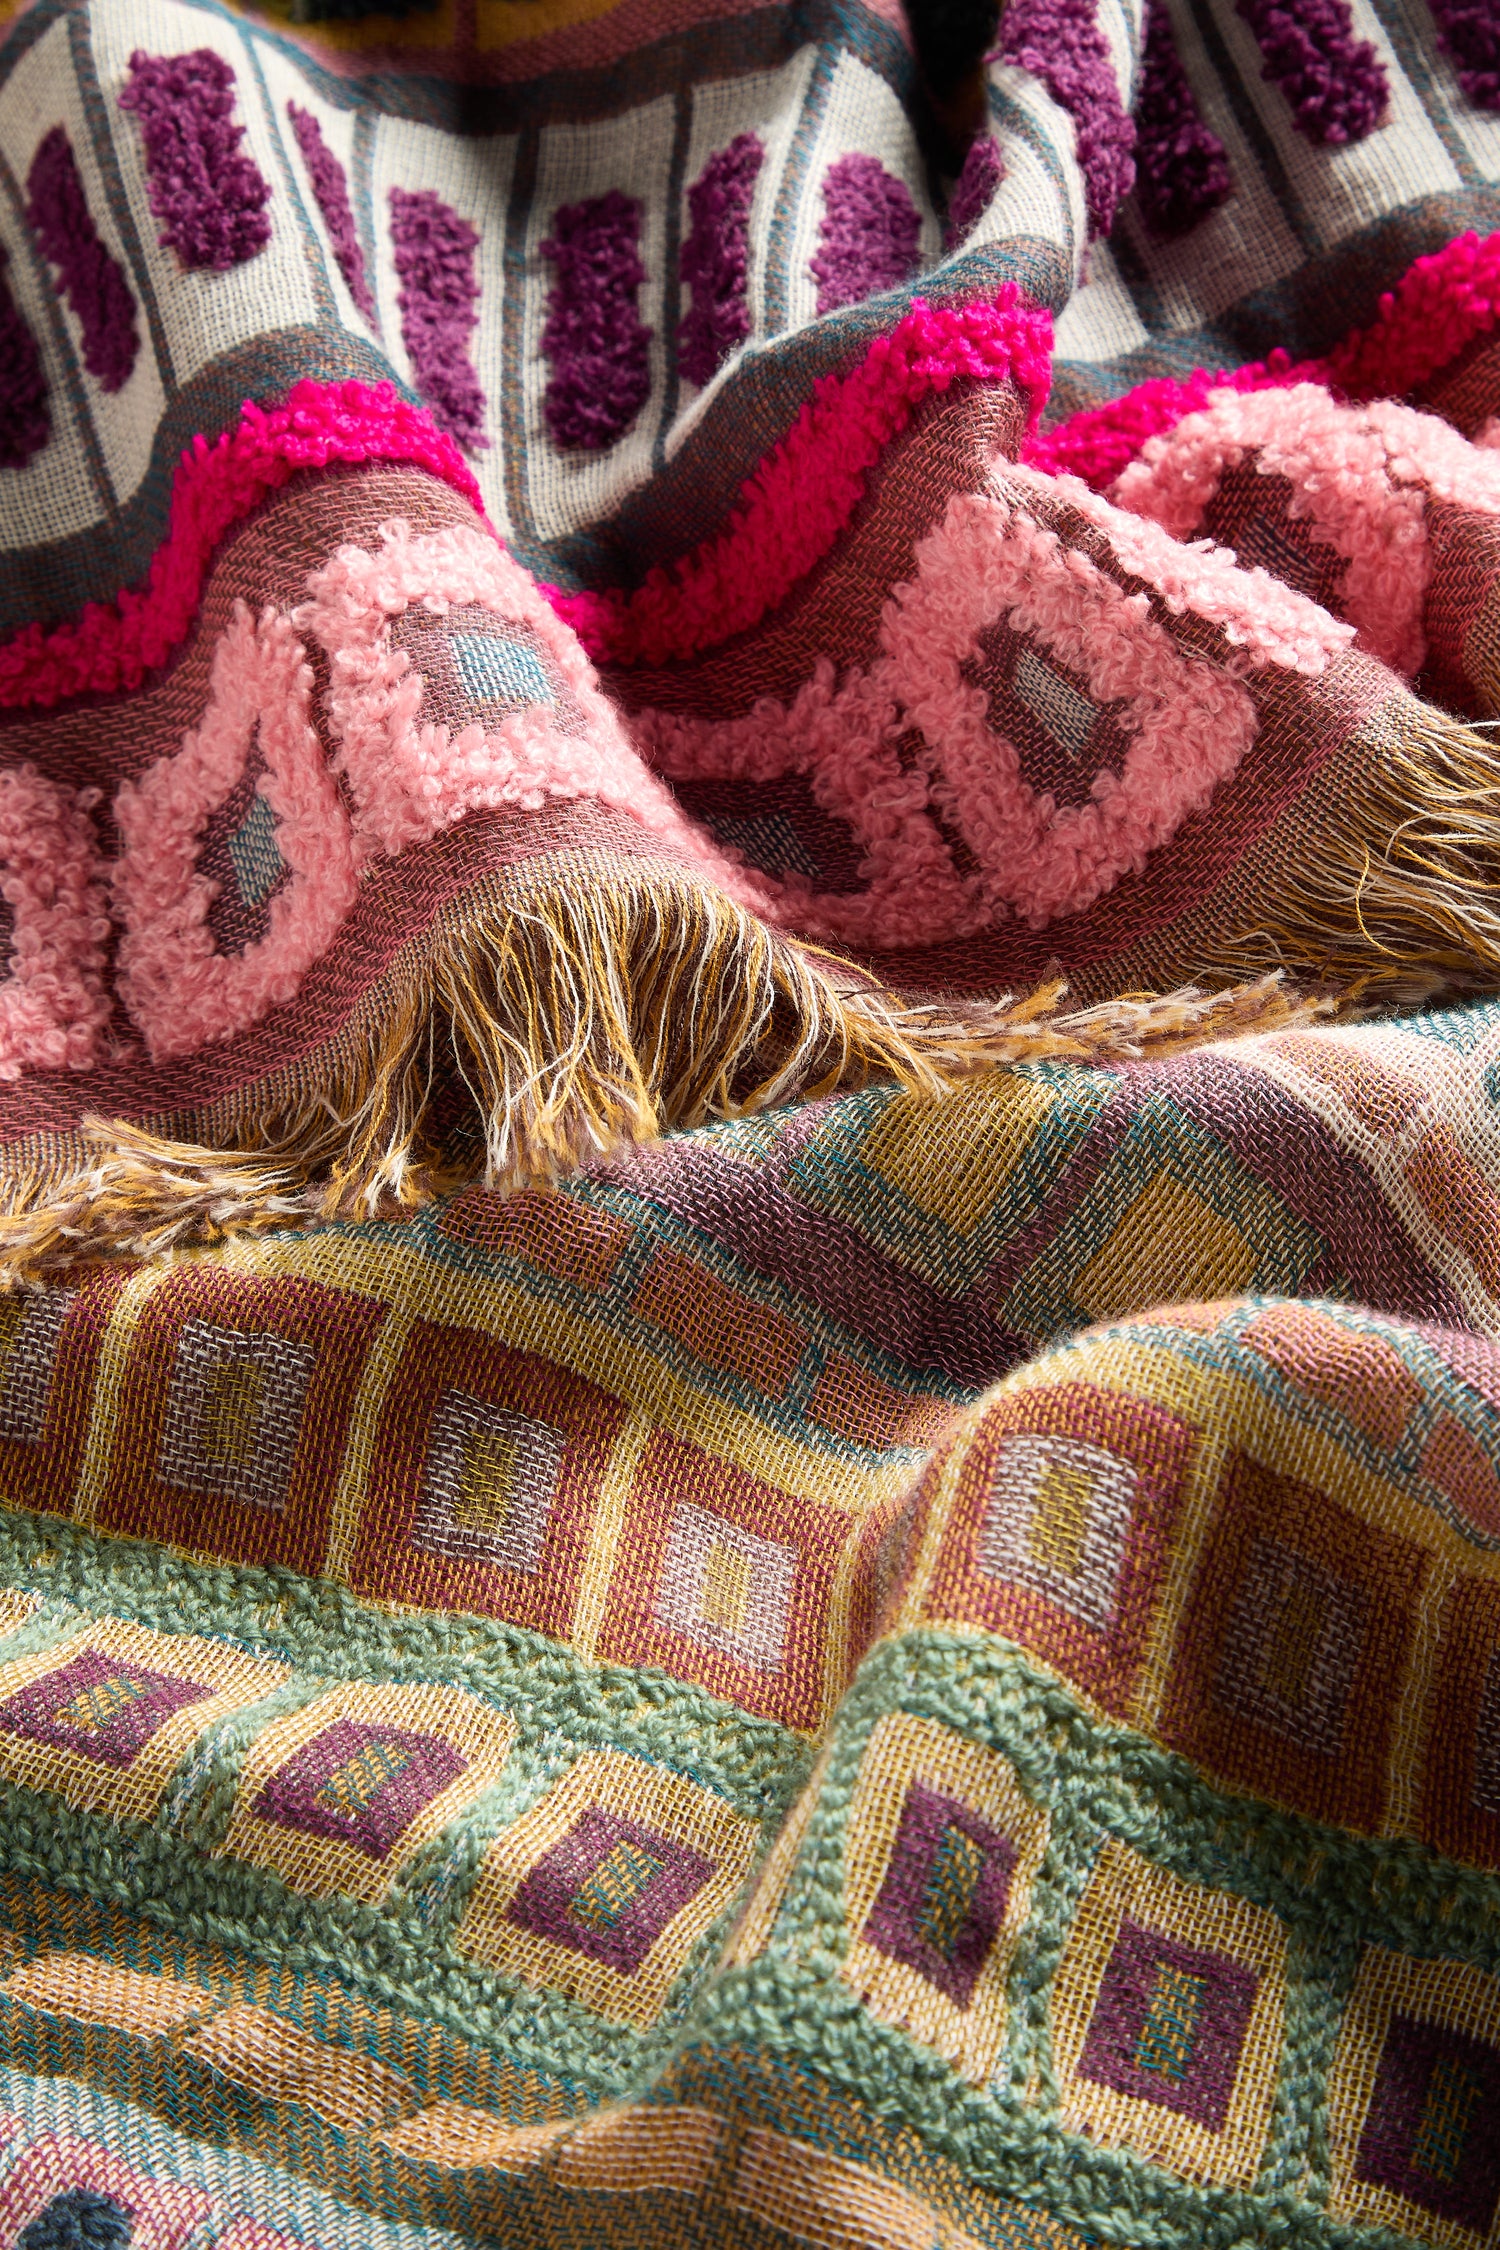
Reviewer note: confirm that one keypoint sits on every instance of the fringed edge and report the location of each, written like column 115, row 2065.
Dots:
column 580, row 1020
column 1395, row 899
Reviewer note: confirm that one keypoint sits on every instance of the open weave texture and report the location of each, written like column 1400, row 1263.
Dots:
column 749, row 1183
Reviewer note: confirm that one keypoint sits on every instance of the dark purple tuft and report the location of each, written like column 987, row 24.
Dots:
column 715, row 258
column 89, row 277
column 330, row 186
column 973, row 190
column 1335, row 84
column 435, row 265
column 209, row 194
column 601, row 374
column 1470, row 32
column 1180, row 169
column 869, row 236
column 1059, row 42
column 24, row 424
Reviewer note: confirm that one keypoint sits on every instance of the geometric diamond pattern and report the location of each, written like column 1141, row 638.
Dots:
column 726, row 1587
column 104, row 1716
column 940, row 1907
column 941, row 1849
column 1058, row 1523
column 363, row 1785
column 1432, row 2133
column 234, row 1413
column 1414, row 2100
column 336, row 1796
column 606, row 1884
column 1169, row 2025
column 490, row 1482
column 1167, row 2014
column 609, row 1887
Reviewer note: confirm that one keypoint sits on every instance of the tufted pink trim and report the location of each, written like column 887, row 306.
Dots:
column 1440, row 304
column 112, row 646
column 1264, row 621
column 802, row 495
column 1192, row 724
column 179, row 988
column 842, row 738
column 1098, row 441
column 1356, row 478
column 412, row 776
column 792, row 508
column 53, row 1005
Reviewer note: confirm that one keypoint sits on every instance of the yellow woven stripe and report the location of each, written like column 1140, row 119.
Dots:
column 109, row 1376
column 88, row 1990
column 827, row 2201
column 604, row 1533
column 459, row 2138
column 275, row 2060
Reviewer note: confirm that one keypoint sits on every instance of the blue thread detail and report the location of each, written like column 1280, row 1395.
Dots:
column 948, row 1893
column 78, row 2220
column 1068, row 716
column 255, row 854
column 499, row 671
column 1170, row 2031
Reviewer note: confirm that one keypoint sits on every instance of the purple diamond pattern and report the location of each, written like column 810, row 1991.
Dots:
column 1169, row 2025
column 360, row 1785
column 940, row 1907
column 1432, row 2131
column 98, row 1707
column 609, row 1888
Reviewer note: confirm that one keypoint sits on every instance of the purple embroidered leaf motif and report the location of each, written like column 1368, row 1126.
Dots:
column 209, row 195
column 1180, row 171
column 973, row 190
column 869, row 235
column 594, row 336
column 24, row 423
column 715, row 258
column 1334, row 83
column 88, row 276
column 330, row 186
column 1059, row 42
column 435, row 265
column 1469, row 30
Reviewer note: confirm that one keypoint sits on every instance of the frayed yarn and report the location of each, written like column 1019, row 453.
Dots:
column 1334, row 84
column 25, row 423
column 594, row 335
column 90, row 278
column 1181, row 173
column 208, row 193
column 330, row 186
column 974, row 190
column 869, row 236
column 434, row 251
column 802, row 495
column 113, row 645
column 716, row 260
column 1059, row 42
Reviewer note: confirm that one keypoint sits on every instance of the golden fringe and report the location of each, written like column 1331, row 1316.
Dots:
column 579, row 1020
column 1402, row 899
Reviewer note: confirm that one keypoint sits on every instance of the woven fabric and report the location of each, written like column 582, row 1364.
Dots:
column 749, row 1171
